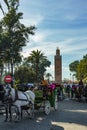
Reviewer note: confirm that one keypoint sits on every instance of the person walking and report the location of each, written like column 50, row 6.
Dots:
column 81, row 86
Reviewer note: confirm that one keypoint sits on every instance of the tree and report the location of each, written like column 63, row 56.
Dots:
column 85, row 57
column 48, row 75
column 79, row 68
column 14, row 34
column 73, row 66
column 24, row 74
column 39, row 63
column 82, row 68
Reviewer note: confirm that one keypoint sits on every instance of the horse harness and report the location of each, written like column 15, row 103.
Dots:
column 21, row 99
column 17, row 97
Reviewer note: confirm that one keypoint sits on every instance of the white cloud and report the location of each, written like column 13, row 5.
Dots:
column 72, row 42
column 67, row 46
column 33, row 20
column 38, row 37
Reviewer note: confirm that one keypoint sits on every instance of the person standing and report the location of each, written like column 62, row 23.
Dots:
column 81, row 83
column 81, row 86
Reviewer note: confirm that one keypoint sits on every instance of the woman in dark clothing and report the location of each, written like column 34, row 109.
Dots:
column 81, row 83
column 80, row 90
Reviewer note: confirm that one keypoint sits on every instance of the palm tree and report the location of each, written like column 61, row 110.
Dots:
column 48, row 75
column 39, row 62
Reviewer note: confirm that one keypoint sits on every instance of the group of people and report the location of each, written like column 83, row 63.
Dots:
column 75, row 90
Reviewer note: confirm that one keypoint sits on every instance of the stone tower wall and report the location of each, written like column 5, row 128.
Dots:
column 58, row 67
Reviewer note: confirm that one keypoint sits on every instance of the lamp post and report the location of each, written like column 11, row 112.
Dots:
column 12, row 71
column 70, row 77
column 73, row 78
column 2, row 63
column 12, row 64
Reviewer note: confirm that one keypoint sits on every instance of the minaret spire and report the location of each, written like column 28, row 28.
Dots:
column 58, row 66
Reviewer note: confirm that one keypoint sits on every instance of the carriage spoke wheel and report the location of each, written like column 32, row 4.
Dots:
column 56, row 103
column 47, row 107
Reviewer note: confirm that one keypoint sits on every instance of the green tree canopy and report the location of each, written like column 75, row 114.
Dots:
column 39, row 62
column 24, row 74
column 27, row 72
column 80, row 68
column 13, row 34
column 48, row 75
column 73, row 66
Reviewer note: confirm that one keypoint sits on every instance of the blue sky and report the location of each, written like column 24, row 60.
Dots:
column 60, row 24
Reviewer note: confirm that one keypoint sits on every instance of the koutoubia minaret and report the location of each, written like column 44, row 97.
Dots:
column 58, row 67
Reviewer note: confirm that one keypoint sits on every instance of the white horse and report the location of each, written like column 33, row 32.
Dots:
column 21, row 100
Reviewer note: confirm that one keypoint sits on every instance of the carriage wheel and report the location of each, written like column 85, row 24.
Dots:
column 47, row 107
column 56, row 103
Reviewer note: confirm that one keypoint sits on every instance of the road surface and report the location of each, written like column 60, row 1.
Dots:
column 71, row 115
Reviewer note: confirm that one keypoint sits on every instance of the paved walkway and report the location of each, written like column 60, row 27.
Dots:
column 71, row 115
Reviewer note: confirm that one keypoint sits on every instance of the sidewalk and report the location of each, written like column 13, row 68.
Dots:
column 72, row 114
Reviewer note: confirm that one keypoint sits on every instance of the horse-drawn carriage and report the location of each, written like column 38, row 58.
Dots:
column 17, row 102
column 46, row 98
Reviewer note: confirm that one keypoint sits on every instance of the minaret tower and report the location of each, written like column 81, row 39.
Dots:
column 58, row 66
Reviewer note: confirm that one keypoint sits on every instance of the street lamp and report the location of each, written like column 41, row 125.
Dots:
column 1, row 63
column 12, row 64
column 70, row 77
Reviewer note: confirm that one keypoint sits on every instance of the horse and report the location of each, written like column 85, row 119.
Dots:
column 21, row 100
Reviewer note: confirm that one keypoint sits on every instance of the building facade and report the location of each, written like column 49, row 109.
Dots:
column 58, row 66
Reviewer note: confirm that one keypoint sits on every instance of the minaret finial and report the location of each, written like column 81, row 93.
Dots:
column 57, row 51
